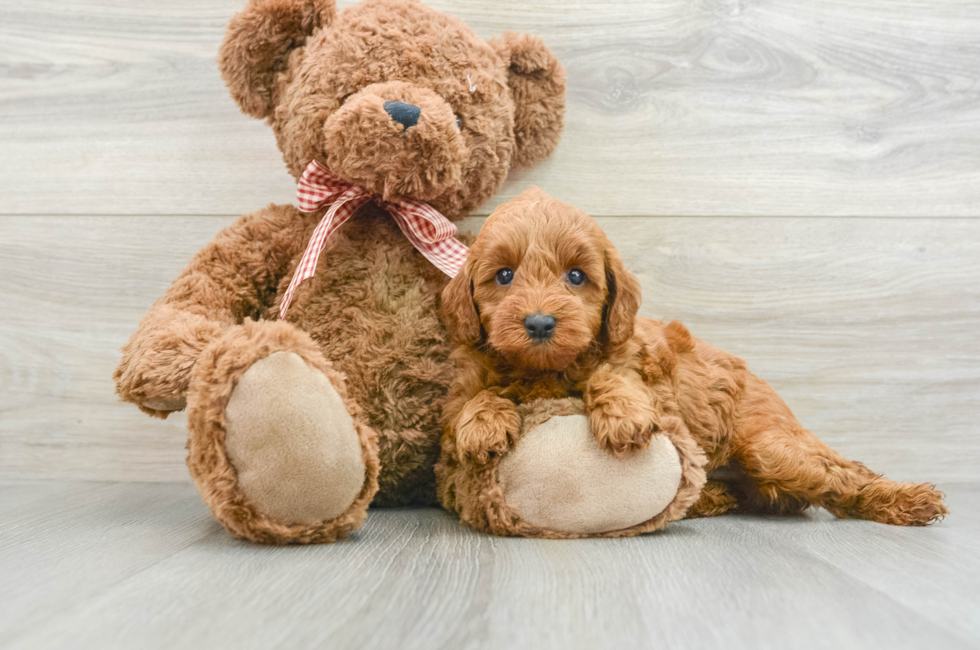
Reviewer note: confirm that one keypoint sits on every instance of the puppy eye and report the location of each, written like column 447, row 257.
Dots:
column 576, row 277
column 459, row 122
column 505, row 277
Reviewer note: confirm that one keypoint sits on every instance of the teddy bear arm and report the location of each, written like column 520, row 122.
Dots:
column 234, row 277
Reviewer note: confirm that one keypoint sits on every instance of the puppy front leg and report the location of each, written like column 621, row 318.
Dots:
column 622, row 410
column 486, row 424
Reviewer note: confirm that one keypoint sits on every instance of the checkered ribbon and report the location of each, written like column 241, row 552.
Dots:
column 428, row 231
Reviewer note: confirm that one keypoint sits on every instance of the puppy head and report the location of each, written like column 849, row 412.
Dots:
column 541, row 285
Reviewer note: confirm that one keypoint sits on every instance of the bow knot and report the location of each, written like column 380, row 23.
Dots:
column 429, row 231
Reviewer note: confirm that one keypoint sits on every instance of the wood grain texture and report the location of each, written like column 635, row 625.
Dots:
column 61, row 550
column 142, row 566
column 867, row 327
column 715, row 107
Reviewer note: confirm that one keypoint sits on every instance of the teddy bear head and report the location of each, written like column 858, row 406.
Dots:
column 395, row 97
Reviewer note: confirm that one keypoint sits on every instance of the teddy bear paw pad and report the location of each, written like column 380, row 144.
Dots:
column 558, row 478
column 292, row 442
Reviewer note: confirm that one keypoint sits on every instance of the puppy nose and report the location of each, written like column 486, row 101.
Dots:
column 405, row 114
column 539, row 326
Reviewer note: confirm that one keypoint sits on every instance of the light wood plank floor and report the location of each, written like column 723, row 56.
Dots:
column 142, row 565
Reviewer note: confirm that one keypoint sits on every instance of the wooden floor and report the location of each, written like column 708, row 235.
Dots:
column 799, row 183
column 142, row 565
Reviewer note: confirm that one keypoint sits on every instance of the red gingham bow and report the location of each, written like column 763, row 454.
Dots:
column 428, row 230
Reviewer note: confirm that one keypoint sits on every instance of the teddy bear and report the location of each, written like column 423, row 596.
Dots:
column 306, row 344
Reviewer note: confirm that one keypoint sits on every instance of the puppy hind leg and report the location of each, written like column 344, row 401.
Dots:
column 791, row 466
column 715, row 499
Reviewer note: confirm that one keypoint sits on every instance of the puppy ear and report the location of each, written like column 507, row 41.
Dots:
column 459, row 311
column 622, row 299
column 257, row 45
column 537, row 84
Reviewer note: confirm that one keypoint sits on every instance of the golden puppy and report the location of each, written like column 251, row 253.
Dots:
column 544, row 308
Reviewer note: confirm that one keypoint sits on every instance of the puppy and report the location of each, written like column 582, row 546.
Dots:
column 544, row 308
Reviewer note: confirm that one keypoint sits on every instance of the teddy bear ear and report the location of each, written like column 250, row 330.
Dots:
column 257, row 45
column 537, row 84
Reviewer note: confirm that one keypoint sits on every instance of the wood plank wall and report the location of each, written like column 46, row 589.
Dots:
column 797, row 182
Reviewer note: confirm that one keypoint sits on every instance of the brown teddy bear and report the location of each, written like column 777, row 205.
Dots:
column 388, row 113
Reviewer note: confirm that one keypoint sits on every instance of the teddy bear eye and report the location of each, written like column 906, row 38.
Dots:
column 576, row 277
column 459, row 122
column 505, row 276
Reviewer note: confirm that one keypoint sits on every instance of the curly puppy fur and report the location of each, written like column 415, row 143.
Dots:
column 320, row 78
column 637, row 376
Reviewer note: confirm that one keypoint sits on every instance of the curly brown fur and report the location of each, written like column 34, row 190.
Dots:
column 715, row 499
column 257, row 46
column 322, row 81
column 537, row 83
column 636, row 375
column 488, row 424
column 234, row 277
column 321, row 77
column 214, row 378
column 373, row 308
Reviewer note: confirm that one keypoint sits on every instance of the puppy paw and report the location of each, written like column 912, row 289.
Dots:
column 901, row 504
column 925, row 505
column 622, row 428
column 488, row 426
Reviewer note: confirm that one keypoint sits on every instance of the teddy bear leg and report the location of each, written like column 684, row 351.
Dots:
column 277, row 449
column 558, row 482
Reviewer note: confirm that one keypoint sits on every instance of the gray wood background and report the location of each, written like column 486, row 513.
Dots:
column 789, row 179
column 676, row 107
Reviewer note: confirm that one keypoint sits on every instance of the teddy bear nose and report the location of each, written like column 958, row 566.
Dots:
column 540, row 326
column 405, row 114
